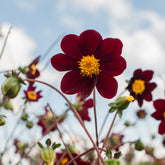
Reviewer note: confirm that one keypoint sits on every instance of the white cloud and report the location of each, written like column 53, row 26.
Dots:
column 18, row 50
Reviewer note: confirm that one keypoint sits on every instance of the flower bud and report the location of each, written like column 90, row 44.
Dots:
column 2, row 120
column 139, row 146
column 112, row 162
column 48, row 155
column 8, row 105
column 24, row 116
column 29, row 124
column 11, row 87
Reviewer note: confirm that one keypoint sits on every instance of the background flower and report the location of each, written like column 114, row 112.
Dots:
column 160, row 114
column 140, row 86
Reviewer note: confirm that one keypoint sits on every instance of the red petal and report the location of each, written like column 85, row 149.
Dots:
column 140, row 101
column 162, row 127
column 88, row 85
column 151, row 86
column 89, row 40
column 70, row 46
column 147, row 75
column 157, row 115
column 62, row 62
column 113, row 67
column 137, row 73
column 106, row 85
column 84, row 115
column 111, row 47
column 147, row 95
column 88, row 103
column 72, row 82
column 159, row 105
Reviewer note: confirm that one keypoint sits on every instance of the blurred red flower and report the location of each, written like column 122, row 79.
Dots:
column 64, row 158
column 90, row 61
column 159, row 105
column 82, row 106
column 31, row 95
column 33, row 72
column 140, row 86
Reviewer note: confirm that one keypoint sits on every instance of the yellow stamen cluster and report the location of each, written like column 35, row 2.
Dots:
column 138, row 86
column 64, row 161
column 164, row 115
column 33, row 67
column 89, row 66
column 31, row 95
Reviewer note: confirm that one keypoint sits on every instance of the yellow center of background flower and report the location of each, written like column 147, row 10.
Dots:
column 138, row 86
column 164, row 115
column 32, row 95
column 89, row 66
column 64, row 161
column 33, row 67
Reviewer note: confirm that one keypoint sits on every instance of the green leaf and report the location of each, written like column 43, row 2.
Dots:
column 40, row 145
column 112, row 110
column 54, row 145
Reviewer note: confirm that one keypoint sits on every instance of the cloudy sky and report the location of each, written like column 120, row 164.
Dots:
column 140, row 25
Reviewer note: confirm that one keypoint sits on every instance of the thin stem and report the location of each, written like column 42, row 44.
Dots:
column 60, row 134
column 106, row 117
column 75, row 113
column 110, row 128
column 4, row 45
column 109, row 131
column 94, row 107
column 78, row 156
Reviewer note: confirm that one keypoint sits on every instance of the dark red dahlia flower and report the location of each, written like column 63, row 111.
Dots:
column 47, row 123
column 64, row 158
column 90, row 61
column 140, row 86
column 82, row 106
column 33, row 72
column 159, row 105
column 31, row 95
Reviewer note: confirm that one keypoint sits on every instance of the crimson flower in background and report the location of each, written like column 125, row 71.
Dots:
column 64, row 158
column 159, row 105
column 31, row 95
column 140, row 86
column 90, row 61
column 33, row 72
column 47, row 123
column 82, row 105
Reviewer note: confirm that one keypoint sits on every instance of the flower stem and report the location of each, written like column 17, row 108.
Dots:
column 94, row 107
column 74, row 111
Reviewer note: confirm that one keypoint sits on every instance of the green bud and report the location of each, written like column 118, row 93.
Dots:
column 112, row 162
column 24, row 70
column 11, row 87
column 139, row 146
column 24, row 116
column 29, row 124
column 48, row 155
column 72, row 149
column 8, row 105
column 2, row 120
column 127, row 123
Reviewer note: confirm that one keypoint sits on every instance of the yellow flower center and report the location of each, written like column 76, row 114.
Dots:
column 164, row 115
column 130, row 98
column 64, row 161
column 33, row 67
column 89, row 66
column 138, row 86
column 31, row 95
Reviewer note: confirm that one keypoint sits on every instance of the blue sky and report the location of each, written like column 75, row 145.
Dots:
column 36, row 24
